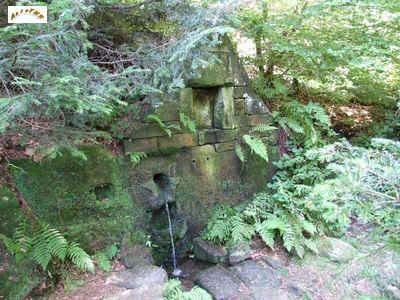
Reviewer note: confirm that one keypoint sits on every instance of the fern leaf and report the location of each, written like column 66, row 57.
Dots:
column 187, row 122
column 257, row 146
column 79, row 257
column 263, row 128
column 239, row 152
column 267, row 235
column 240, row 231
column 137, row 157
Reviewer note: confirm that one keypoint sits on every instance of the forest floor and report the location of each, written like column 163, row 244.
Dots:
column 373, row 273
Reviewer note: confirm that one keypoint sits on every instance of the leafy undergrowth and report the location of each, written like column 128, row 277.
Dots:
column 317, row 192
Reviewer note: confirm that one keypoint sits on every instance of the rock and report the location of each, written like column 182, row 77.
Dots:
column 254, row 105
column 255, row 274
column 336, row 249
column 207, row 251
column 224, row 109
column 239, row 253
column 136, row 255
column 219, row 282
column 147, row 292
column 273, row 262
column 138, row 277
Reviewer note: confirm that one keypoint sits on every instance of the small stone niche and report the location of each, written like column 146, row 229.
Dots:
column 213, row 107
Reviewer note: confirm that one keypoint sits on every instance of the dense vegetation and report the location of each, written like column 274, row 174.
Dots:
column 328, row 70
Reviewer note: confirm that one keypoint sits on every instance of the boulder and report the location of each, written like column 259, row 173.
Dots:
column 239, row 253
column 137, row 277
column 147, row 292
column 219, row 282
column 273, row 262
column 256, row 274
column 336, row 249
column 207, row 251
column 136, row 255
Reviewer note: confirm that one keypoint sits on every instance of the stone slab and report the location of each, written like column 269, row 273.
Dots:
column 177, row 141
column 140, row 145
column 219, row 282
column 223, row 147
column 256, row 274
column 224, row 109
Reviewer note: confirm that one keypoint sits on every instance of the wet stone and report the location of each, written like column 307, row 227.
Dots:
column 219, row 282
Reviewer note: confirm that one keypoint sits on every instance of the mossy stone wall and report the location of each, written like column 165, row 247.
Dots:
column 87, row 199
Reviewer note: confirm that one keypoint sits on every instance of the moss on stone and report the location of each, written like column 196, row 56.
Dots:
column 84, row 198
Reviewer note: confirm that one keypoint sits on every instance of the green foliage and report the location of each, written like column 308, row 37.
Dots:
column 187, row 122
column 338, row 50
column 314, row 193
column 167, row 128
column 307, row 123
column 173, row 291
column 256, row 146
column 225, row 225
column 45, row 245
column 137, row 157
column 103, row 258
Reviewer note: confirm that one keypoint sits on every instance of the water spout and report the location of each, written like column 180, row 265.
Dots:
column 166, row 193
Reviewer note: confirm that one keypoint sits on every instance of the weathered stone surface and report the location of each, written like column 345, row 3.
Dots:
column 207, row 251
column 219, row 282
column 226, row 135
column 146, row 292
column 135, row 255
column 212, row 136
column 203, row 101
column 186, row 101
column 273, row 262
column 140, row 145
column 239, row 253
column 393, row 291
column 177, row 141
column 255, row 274
column 224, row 109
column 207, row 136
column 168, row 112
column 336, row 249
column 255, row 120
column 223, row 147
column 137, row 277
column 217, row 74
column 238, row 107
column 148, row 131
column 238, row 92
column 254, row 105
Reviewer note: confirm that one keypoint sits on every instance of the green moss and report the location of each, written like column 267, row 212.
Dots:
column 10, row 212
column 84, row 198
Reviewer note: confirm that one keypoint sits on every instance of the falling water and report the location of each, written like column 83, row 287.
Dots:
column 176, row 272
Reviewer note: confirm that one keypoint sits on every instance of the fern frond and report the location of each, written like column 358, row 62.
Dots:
column 262, row 128
column 155, row 118
column 136, row 157
column 240, row 231
column 257, row 146
column 239, row 152
column 79, row 257
column 187, row 122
